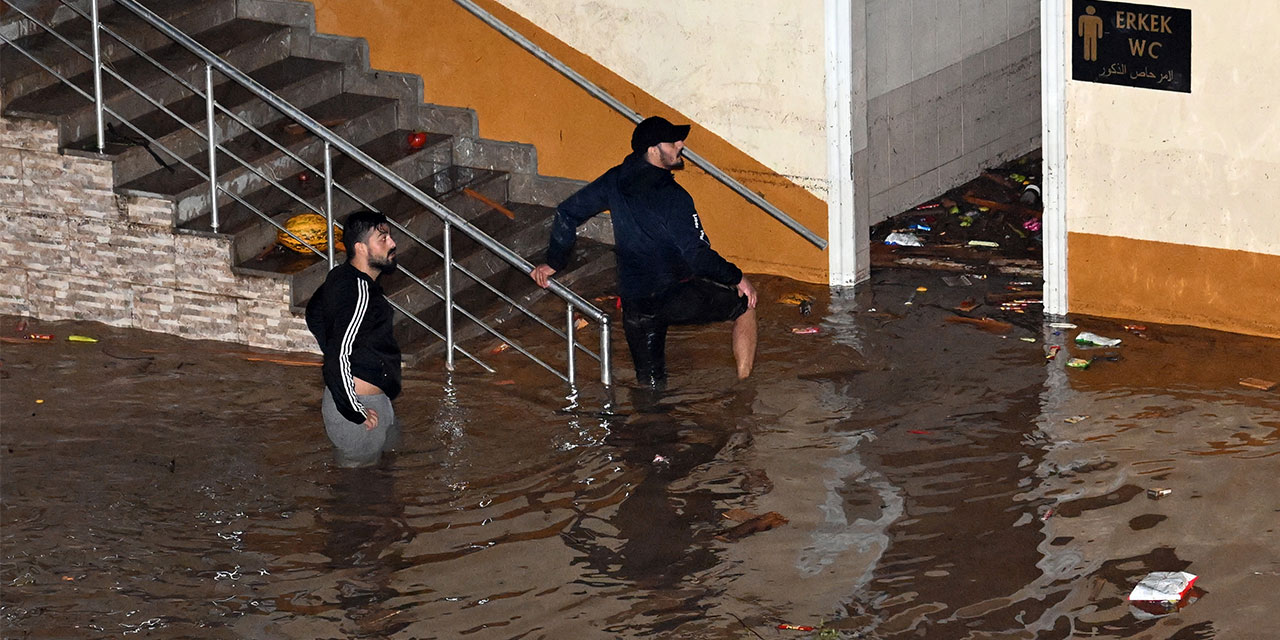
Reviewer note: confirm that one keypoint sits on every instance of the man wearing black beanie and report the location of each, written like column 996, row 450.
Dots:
column 668, row 274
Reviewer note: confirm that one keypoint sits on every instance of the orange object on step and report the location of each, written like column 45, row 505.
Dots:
column 489, row 201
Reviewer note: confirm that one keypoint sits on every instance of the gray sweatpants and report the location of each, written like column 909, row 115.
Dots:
column 354, row 445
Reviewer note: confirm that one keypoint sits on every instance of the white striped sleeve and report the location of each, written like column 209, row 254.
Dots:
column 349, row 340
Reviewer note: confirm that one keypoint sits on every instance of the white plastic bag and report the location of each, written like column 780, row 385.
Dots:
column 903, row 239
column 1085, row 337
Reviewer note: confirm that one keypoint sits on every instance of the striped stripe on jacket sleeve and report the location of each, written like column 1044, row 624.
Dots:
column 348, row 341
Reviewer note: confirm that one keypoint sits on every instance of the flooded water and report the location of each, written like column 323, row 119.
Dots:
column 932, row 483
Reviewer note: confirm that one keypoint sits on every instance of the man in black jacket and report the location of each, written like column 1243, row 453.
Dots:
column 352, row 322
column 668, row 274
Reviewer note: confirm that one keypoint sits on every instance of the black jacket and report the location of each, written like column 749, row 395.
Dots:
column 352, row 322
column 656, row 230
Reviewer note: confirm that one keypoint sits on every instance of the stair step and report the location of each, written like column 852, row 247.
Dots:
column 300, row 81
column 23, row 76
column 253, row 235
column 590, row 275
column 396, row 206
column 247, row 44
column 352, row 116
column 525, row 235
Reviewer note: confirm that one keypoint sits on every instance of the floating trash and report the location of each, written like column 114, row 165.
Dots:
column 1093, row 339
column 1257, row 383
column 795, row 627
column 903, row 239
column 1163, row 586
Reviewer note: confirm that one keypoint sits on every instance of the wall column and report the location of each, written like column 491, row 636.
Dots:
column 847, row 228
column 1054, row 32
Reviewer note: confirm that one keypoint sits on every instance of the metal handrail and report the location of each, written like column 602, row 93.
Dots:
column 449, row 219
column 631, row 114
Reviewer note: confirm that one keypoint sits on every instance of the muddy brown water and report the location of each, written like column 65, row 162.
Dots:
column 165, row 488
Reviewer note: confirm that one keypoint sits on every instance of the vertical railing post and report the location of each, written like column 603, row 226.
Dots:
column 606, row 377
column 568, row 332
column 211, row 132
column 448, row 295
column 328, row 199
column 97, row 78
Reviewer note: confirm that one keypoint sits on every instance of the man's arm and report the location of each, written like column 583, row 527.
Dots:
column 684, row 229
column 345, row 314
column 575, row 210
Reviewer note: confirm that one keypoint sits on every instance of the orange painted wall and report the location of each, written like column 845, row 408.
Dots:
column 464, row 62
column 1235, row 291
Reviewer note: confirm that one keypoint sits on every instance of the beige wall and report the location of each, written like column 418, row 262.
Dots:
column 751, row 72
column 1199, row 169
column 1171, row 196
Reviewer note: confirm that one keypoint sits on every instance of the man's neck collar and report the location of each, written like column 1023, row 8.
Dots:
column 364, row 267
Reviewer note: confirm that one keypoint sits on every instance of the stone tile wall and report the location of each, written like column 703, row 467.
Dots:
column 74, row 249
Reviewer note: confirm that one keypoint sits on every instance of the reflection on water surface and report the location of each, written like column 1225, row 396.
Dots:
column 166, row 488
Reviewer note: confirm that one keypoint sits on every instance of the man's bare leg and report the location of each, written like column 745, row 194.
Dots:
column 744, row 342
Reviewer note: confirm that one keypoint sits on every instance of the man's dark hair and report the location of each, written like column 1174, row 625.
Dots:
column 357, row 228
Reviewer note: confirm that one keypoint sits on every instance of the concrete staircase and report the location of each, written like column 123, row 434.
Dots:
column 329, row 78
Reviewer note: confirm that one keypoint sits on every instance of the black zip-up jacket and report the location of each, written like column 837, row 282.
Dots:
column 657, row 234
column 352, row 322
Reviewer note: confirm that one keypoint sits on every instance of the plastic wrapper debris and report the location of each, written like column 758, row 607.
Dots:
column 903, row 239
column 1079, row 363
column 1088, row 338
column 1257, row 383
column 805, row 330
column 1155, row 493
column 1163, row 586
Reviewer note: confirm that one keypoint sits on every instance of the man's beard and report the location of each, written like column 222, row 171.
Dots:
column 385, row 264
